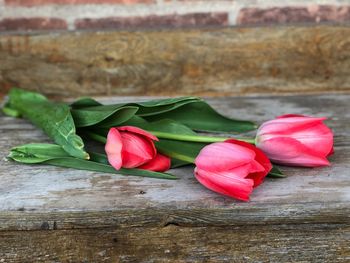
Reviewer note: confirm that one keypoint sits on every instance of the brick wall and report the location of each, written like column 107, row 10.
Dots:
column 29, row 15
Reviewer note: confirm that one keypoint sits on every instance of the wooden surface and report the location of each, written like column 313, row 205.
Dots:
column 184, row 61
column 50, row 214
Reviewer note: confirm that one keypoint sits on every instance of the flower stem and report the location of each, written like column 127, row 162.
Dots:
column 177, row 137
column 95, row 136
column 179, row 156
column 196, row 138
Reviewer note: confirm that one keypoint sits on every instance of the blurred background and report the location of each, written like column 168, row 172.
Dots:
column 69, row 48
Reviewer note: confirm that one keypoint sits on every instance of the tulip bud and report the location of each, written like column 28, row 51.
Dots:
column 296, row 140
column 159, row 163
column 132, row 147
column 232, row 168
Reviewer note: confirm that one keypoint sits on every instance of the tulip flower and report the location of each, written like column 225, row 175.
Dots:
column 232, row 168
column 132, row 147
column 296, row 140
column 159, row 163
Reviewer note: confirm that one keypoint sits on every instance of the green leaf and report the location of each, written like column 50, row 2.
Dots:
column 36, row 152
column 99, row 158
column 88, row 112
column 175, row 163
column 170, row 126
column 276, row 173
column 146, row 108
column 168, row 101
column 163, row 106
column 190, row 111
column 103, row 118
column 202, row 117
column 80, row 164
column 11, row 112
column 54, row 155
column 181, row 150
column 54, row 119
column 164, row 125
column 89, row 102
column 102, row 158
column 138, row 122
column 85, row 102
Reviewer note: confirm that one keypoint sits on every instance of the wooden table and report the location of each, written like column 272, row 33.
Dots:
column 50, row 214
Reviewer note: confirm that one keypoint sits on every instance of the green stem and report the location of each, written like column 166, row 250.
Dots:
column 196, row 138
column 178, row 156
column 177, row 137
column 95, row 136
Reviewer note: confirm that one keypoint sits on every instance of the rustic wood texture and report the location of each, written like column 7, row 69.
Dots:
column 286, row 243
column 51, row 214
column 184, row 61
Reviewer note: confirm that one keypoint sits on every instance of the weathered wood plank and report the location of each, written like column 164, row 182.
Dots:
column 34, row 197
column 51, row 214
column 233, row 215
column 185, row 61
column 291, row 243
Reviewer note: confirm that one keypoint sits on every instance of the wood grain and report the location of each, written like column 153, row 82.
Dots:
column 291, row 243
column 184, row 61
column 51, row 214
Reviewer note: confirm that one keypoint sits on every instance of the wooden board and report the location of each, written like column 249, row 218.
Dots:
column 182, row 61
column 51, row 214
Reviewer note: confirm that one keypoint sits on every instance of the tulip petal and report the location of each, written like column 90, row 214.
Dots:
column 255, row 167
column 239, row 171
column 319, row 138
column 137, row 149
column 259, row 176
column 260, row 167
column 113, row 148
column 293, row 153
column 138, row 131
column 141, row 133
column 223, row 156
column 232, row 186
column 290, row 115
column 160, row 163
column 260, row 157
column 286, row 126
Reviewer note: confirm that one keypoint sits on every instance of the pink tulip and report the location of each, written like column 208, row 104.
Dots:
column 132, row 147
column 159, row 163
column 296, row 140
column 232, row 168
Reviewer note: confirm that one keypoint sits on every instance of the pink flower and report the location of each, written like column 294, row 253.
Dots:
column 159, row 163
column 296, row 140
column 132, row 147
column 231, row 168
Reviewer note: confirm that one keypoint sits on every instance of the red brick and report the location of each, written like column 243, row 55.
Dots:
column 331, row 13
column 200, row 0
column 174, row 21
column 37, row 23
column 73, row 2
column 276, row 15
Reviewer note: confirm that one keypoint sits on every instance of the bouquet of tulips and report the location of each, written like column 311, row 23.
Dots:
column 149, row 138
